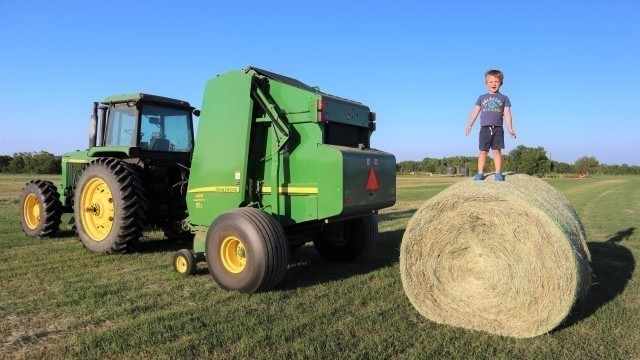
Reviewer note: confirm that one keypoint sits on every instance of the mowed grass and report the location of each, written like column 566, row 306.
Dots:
column 57, row 300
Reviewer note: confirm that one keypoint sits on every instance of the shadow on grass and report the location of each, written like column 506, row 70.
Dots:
column 160, row 245
column 307, row 268
column 612, row 266
column 396, row 215
column 66, row 233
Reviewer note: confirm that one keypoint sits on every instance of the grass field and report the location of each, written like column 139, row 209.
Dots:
column 57, row 300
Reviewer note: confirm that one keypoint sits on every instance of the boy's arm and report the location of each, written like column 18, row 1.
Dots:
column 472, row 119
column 507, row 119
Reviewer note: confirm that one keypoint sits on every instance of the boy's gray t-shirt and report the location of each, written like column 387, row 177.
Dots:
column 492, row 108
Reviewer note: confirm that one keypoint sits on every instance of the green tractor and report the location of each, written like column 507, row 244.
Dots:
column 275, row 164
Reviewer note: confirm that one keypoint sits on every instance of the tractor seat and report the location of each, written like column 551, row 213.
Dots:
column 159, row 144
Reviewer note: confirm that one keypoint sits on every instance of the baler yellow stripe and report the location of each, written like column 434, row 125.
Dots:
column 267, row 189
column 292, row 190
column 223, row 189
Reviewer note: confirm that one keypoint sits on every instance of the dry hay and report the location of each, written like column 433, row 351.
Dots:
column 509, row 258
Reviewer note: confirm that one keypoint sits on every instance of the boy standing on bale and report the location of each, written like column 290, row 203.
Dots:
column 495, row 107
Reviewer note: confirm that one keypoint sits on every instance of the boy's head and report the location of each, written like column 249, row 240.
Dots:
column 493, row 79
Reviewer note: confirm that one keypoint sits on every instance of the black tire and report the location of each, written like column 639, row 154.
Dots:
column 40, row 209
column 113, row 223
column 260, row 245
column 184, row 262
column 347, row 240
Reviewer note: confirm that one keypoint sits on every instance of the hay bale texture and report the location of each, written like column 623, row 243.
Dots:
column 509, row 258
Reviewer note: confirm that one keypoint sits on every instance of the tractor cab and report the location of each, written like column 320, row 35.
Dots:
column 149, row 123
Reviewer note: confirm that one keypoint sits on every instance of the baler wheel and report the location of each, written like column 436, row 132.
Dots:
column 246, row 250
column 184, row 262
column 40, row 208
column 109, row 206
column 347, row 241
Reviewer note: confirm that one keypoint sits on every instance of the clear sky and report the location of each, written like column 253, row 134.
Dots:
column 572, row 68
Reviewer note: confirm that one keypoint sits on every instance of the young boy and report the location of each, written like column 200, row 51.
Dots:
column 495, row 108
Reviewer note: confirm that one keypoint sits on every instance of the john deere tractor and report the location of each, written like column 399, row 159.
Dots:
column 275, row 164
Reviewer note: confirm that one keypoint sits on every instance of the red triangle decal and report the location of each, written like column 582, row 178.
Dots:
column 372, row 183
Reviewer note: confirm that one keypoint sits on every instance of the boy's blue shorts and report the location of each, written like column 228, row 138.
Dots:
column 491, row 137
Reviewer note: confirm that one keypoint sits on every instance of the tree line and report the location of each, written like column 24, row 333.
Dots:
column 522, row 159
column 31, row 163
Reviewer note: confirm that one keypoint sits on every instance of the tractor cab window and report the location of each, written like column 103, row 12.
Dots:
column 165, row 129
column 121, row 126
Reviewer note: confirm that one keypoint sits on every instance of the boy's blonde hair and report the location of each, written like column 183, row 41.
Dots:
column 496, row 73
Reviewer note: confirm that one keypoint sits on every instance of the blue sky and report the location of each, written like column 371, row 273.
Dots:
column 572, row 68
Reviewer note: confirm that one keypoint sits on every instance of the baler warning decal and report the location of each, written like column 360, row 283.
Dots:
column 222, row 189
column 372, row 182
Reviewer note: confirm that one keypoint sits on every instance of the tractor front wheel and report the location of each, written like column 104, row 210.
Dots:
column 246, row 250
column 347, row 240
column 109, row 206
column 40, row 209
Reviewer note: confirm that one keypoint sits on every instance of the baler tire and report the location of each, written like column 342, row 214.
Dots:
column 359, row 236
column 184, row 262
column 40, row 209
column 246, row 250
column 109, row 206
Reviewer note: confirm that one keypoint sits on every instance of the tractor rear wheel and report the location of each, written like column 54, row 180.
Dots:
column 347, row 240
column 40, row 208
column 109, row 206
column 246, row 250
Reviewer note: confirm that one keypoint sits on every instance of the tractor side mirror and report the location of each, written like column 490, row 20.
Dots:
column 154, row 120
column 196, row 112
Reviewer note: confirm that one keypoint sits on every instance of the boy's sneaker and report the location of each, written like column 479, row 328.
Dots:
column 479, row 177
column 499, row 177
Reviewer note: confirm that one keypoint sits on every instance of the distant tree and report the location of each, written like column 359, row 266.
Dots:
column 629, row 170
column 611, row 169
column 561, row 167
column 16, row 165
column 530, row 161
column 4, row 162
column 34, row 163
column 586, row 164
column 406, row 167
column 431, row 165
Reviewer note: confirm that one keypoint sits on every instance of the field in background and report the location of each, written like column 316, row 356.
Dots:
column 59, row 301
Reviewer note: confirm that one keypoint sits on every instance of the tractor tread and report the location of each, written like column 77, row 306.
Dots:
column 51, row 210
column 130, row 190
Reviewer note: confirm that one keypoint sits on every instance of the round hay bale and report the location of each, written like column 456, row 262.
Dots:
column 509, row 258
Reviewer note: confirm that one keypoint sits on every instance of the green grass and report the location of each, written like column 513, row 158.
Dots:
column 57, row 300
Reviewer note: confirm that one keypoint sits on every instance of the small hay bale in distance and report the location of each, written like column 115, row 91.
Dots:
column 509, row 258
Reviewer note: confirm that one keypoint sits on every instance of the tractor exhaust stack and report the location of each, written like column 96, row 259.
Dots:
column 93, row 126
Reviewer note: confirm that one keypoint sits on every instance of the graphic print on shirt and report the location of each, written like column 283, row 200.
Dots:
column 492, row 104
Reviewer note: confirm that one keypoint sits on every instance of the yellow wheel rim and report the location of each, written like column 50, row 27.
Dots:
column 233, row 254
column 31, row 211
column 181, row 264
column 97, row 209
